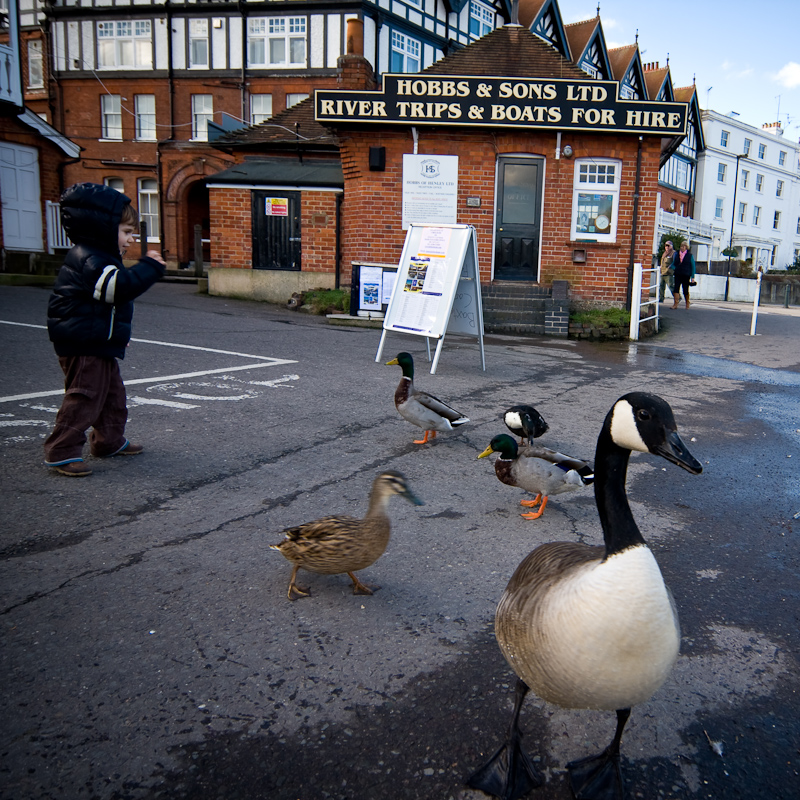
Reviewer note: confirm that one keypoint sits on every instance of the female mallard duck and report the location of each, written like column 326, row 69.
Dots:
column 341, row 543
column 421, row 408
column 537, row 469
column 592, row 627
column 525, row 422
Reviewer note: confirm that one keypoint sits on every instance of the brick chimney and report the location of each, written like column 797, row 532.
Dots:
column 355, row 72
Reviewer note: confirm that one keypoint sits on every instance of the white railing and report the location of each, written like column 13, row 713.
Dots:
column 669, row 221
column 653, row 276
column 57, row 238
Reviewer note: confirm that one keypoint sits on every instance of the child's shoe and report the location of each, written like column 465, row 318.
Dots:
column 73, row 469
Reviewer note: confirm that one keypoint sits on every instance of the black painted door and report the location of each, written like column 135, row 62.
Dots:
column 276, row 230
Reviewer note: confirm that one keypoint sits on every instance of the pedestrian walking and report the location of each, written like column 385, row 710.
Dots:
column 684, row 270
column 666, row 270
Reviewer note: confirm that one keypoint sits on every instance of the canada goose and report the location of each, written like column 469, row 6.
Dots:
column 525, row 422
column 537, row 469
column 592, row 627
column 420, row 408
column 341, row 543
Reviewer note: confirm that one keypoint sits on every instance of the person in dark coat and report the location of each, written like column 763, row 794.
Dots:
column 89, row 318
column 684, row 268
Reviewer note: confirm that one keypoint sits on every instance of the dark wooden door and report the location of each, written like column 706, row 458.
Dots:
column 276, row 230
column 518, row 219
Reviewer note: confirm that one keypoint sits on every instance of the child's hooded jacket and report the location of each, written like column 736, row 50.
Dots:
column 91, row 308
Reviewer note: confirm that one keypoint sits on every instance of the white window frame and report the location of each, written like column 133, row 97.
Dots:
column 111, row 117
column 798, row 225
column 756, row 215
column 406, row 53
column 481, row 19
column 779, row 189
column 260, row 108
column 781, row 158
column 147, row 189
column 199, row 44
column 125, row 44
column 595, row 199
column 145, row 117
column 723, row 138
column 742, row 212
column 759, row 183
column 293, row 98
column 202, row 113
column 719, row 208
column 745, row 178
column 35, row 64
column 722, row 172
column 762, row 151
column 776, row 221
column 265, row 35
column 115, row 183
column 748, row 143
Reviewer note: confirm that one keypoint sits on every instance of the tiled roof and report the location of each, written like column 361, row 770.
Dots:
column 293, row 128
column 579, row 33
column 654, row 80
column 620, row 59
column 511, row 51
column 528, row 9
column 684, row 94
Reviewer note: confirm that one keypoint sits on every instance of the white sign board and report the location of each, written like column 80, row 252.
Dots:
column 430, row 190
column 438, row 287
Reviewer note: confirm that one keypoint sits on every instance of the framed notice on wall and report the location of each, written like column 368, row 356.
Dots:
column 430, row 190
column 437, row 288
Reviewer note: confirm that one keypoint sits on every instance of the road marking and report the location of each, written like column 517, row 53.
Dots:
column 18, row 423
column 152, row 401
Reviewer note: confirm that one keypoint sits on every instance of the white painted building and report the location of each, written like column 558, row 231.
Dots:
column 748, row 183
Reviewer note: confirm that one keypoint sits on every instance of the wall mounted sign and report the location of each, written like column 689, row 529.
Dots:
column 276, row 206
column 421, row 99
column 430, row 189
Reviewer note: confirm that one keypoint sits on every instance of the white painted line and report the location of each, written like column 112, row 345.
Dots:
column 22, row 324
column 18, row 423
column 152, row 401
column 276, row 382
column 35, row 395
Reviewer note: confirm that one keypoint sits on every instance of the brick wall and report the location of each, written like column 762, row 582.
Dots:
column 372, row 214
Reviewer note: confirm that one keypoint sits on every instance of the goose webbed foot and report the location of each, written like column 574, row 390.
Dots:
column 599, row 777
column 596, row 777
column 509, row 773
column 361, row 588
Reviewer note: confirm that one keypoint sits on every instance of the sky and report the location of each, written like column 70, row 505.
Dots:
column 744, row 56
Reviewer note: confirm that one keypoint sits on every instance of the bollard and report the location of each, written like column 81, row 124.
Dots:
column 198, row 251
column 786, row 295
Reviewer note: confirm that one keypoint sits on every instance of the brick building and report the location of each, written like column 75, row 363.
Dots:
column 549, row 163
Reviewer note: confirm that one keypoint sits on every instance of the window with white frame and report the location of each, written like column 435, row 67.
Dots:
column 145, row 116
column 481, row 19
column 762, row 151
column 198, row 43
column 745, row 178
column 759, row 183
column 202, row 112
column 405, row 53
column 779, row 189
column 260, row 108
column 756, row 215
column 782, row 158
column 276, row 42
column 595, row 199
column 148, row 207
column 293, row 98
column 115, row 183
column 127, row 43
column 111, row 116
column 722, row 171
column 748, row 143
column 719, row 208
column 742, row 211
column 723, row 138
column 681, row 173
column 35, row 64
column 798, row 224
column 776, row 220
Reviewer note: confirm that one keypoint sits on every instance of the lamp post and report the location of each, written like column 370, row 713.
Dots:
column 733, row 217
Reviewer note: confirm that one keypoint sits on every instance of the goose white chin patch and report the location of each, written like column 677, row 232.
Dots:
column 624, row 431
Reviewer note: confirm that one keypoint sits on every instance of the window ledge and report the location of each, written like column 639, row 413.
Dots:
column 593, row 243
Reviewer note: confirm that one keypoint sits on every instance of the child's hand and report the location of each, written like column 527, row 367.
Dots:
column 156, row 256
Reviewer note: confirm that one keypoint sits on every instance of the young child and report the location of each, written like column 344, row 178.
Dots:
column 89, row 321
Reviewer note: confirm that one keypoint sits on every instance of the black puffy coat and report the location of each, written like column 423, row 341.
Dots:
column 91, row 308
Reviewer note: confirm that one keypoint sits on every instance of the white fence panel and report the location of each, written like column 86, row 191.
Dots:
column 57, row 238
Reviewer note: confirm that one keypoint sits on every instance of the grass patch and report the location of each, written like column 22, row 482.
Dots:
column 602, row 317
column 328, row 301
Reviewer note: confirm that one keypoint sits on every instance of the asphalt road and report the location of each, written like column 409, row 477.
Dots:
column 149, row 650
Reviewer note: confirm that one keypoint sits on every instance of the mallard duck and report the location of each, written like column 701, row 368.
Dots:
column 421, row 408
column 341, row 543
column 537, row 469
column 525, row 422
column 592, row 627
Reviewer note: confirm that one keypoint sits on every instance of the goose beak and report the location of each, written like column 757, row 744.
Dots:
column 674, row 450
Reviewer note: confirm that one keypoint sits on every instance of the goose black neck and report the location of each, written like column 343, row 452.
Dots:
column 610, row 470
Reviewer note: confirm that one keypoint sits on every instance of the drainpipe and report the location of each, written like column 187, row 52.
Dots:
column 629, row 299
column 338, row 240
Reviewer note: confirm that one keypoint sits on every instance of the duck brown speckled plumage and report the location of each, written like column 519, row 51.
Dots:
column 340, row 543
